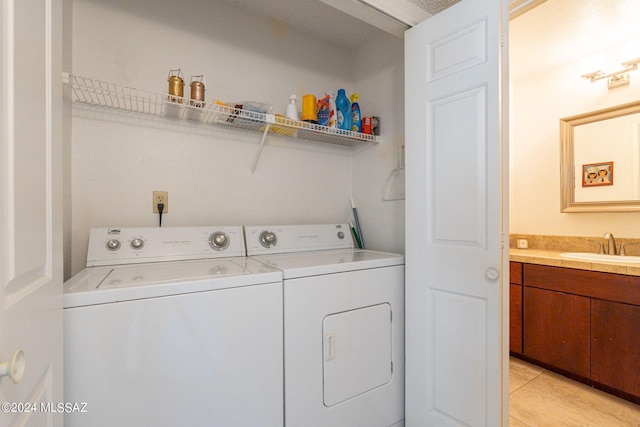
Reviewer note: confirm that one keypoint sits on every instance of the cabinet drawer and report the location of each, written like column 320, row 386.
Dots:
column 593, row 284
column 515, row 273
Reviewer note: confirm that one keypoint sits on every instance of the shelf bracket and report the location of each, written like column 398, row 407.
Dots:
column 259, row 153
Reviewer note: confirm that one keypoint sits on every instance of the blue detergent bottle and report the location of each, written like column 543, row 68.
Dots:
column 343, row 107
column 356, row 119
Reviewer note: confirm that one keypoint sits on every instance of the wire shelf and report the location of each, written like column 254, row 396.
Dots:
column 109, row 95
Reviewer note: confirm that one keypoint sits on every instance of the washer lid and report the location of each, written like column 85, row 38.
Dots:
column 99, row 285
column 315, row 263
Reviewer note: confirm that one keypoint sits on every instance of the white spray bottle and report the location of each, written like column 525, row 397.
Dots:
column 332, row 110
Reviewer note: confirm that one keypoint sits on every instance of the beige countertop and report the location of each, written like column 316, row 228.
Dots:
column 553, row 258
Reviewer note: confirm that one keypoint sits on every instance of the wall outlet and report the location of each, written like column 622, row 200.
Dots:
column 161, row 197
column 522, row 243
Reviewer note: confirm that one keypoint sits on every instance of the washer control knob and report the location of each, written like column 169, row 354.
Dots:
column 268, row 239
column 113, row 244
column 137, row 243
column 218, row 241
column 340, row 235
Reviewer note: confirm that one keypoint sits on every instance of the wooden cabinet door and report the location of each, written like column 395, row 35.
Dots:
column 557, row 329
column 515, row 307
column 615, row 346
column 515, row 318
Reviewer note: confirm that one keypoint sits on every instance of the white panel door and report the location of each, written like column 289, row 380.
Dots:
column 455, row 262
column 30, row 211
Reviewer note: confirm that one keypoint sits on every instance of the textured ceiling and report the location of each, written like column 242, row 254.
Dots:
column 561, row 31
column 433, row 6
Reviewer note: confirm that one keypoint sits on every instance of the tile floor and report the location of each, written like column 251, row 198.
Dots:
column 540, row 398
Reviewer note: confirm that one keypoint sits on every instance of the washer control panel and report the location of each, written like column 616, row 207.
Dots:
column 297, row 238
column 113, row 246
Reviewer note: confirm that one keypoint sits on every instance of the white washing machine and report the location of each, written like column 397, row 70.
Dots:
column 173, row 327
column 343, row 325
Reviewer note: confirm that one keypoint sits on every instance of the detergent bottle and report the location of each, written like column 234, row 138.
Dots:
column 343, row 111
column 324, row 110
column 356, row 119
column 309, row 108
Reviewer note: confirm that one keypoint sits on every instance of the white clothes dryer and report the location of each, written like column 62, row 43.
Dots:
column 343, row 325
column 173, row 327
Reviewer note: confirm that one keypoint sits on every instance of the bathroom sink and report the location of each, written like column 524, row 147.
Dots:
column 586, row 256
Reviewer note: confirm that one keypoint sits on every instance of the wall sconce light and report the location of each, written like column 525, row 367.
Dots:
column 593, row 66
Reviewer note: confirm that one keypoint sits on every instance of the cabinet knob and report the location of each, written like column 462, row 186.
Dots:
column 492, row 274
column 14, row 369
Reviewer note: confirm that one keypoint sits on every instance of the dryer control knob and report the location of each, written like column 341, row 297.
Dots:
column 268, row 239
column 137, row 243
column 113, row 244
column 218, row 241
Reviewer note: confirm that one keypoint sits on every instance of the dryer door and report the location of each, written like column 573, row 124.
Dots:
column 357, row 352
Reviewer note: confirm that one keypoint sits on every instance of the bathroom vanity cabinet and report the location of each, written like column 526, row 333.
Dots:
column 581, row 323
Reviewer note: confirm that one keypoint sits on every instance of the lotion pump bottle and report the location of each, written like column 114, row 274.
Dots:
column 292, row 110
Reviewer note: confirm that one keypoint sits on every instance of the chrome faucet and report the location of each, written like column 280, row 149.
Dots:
column 612, row 244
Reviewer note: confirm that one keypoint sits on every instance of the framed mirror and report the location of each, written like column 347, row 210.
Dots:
column 600, row 160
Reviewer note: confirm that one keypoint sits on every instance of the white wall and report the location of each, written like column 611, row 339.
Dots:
column 118, row 159
column 379, row 74
column 540, row 101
